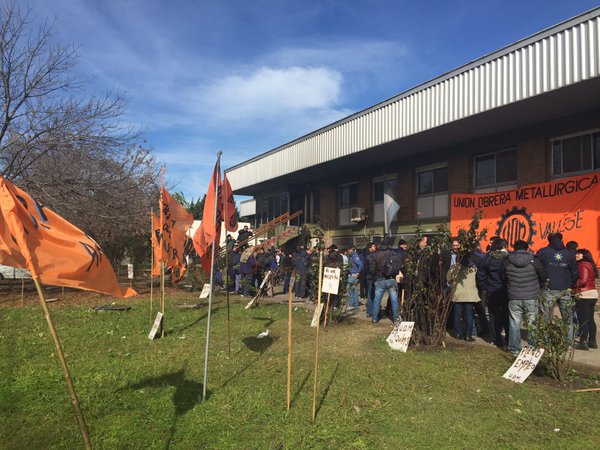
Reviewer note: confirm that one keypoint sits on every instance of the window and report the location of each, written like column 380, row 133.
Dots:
column 496, row 168
column 347, row 198
column 378, row 192
column 576, row 154
column 432, row 192
column 433, row 181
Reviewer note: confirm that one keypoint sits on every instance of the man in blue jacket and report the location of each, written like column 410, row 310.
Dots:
column 562, row 270
column 356, row 267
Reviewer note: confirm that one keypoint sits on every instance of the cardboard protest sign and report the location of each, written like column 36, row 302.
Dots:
column 205, row 291
column 399, row 338
column 524, row 364
column 130, row 271
column 530, row 213
column 331, row 280
column 317, row 315
column 155, row 326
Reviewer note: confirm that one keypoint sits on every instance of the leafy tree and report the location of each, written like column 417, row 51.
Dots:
column 69, row 151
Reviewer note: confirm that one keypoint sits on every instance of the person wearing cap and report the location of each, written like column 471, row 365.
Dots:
column 383, row 283
column 243, row 235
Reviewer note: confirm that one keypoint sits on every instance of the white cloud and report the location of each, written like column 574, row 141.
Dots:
column 269, row 92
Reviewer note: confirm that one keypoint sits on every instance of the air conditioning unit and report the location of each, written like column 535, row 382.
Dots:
column 358, row 215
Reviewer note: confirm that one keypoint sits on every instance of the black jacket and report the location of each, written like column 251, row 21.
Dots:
column 524, row 275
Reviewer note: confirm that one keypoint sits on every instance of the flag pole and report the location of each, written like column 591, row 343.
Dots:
column 212, row 274
column 289, row 366
column 22, row 289
column 151, row 259
column 326, row 310
column 59, row 351
column 162, row 263
column 228, row 308
column 314, row 407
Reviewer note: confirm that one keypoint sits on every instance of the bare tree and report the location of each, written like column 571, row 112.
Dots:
column 69, row 151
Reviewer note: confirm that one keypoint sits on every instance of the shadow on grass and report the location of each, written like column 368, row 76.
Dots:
column 188, row 393
column 297, row 393
column 326, row 391
column 258, row 345
column 199, row 319
column 268, row 321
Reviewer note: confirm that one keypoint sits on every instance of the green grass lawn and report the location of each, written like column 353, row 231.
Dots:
column 137, row 393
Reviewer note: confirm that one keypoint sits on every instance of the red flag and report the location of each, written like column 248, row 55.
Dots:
column 210, row 229
column 229, row 217
column 54, row 250
column 174, row 222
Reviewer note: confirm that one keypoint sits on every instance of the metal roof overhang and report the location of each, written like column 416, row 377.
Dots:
column 567, row 101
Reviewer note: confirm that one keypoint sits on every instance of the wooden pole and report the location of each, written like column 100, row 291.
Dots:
column 59, row 351
column 212, row 274
column 152, row 237
column 22, row 289
column 326, row 310
column 289, row 366
column 314, row 407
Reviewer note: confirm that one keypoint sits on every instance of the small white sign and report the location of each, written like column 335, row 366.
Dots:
column 399, row 338
column 130, row 271
column 524, row 365
column 331, row 280
column 317, row 315
column 205, row 291
column 156, row 326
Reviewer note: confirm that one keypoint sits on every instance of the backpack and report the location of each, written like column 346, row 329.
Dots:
column 392, row 265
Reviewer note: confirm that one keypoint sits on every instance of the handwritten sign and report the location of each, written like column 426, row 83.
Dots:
column 156, row 326
column 130, row 271
column 317, row 315
column 331, row 280
column 205, row 291
column 399, row 338
column 524, row 364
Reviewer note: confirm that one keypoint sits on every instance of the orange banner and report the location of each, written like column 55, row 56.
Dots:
column 530, row 213
column 174, row 222
column 55, row 251
column 155, row 245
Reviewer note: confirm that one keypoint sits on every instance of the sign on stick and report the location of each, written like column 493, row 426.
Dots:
column 524, row 364
column 130, row 271
column 156, row 326
column 205, row 291
column 399, row 338
column 331, row 280
column 317, row 315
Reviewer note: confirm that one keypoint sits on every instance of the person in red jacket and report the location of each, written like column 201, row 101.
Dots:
column 588, row 296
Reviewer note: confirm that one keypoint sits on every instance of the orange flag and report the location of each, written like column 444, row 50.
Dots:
column 209, row 230
column 231, row 223
column 174, row 222
column 155, row 245
column 55, row 251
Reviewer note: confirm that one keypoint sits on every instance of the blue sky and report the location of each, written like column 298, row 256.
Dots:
column 244, row 77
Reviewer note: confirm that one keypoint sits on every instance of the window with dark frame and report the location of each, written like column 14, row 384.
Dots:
column 348, row 195
column 379, row 189
column 496, row 168
column 576, row 154
column 433, row 181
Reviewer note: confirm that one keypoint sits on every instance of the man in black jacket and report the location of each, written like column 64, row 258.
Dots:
column 562, row 270
column 524, row 275
column 383, row 282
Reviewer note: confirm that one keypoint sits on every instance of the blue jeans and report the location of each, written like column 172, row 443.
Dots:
column 381, row 286
column 465, row 308
column 519, row 310
column 370, row 295
column 286, row 281
column 353, row 291
column 563, row 298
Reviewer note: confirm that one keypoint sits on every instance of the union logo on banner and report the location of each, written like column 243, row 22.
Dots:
column 532, row 212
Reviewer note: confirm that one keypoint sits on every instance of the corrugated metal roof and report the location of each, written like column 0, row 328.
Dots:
column 563, row 55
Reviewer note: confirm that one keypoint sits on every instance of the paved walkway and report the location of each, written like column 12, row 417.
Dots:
column 589, row 358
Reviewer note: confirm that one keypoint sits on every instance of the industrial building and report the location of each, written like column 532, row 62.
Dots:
column 527, row 113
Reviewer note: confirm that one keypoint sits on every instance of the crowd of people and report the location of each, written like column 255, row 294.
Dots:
column 493, row 293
